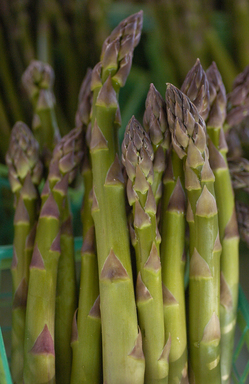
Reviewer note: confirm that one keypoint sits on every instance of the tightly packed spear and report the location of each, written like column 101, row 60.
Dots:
column 166, row 198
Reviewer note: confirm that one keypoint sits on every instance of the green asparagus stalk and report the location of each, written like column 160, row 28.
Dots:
column 86, row 340
column 173, row 268
column 38, row 81
column 137, row 157
column 228, row 227
column 121, row 341
column 238, row 100
column 39, row 357
column 189, row 141
column 86, row 335
column 66, row 298
column 25, row 170
column 155, row 123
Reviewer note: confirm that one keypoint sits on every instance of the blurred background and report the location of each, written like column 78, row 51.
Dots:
column 68, row 34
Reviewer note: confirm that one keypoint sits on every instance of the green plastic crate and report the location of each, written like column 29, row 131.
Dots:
column 241, row 349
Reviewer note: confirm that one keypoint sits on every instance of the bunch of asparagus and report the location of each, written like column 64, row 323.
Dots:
column 167, row 198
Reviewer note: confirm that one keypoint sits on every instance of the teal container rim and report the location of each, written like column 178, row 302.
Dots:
column 5, row 365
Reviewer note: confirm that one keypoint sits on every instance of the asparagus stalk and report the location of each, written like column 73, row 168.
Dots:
column 38, row 81
column 228, row 227
column 25, row 170
column 86, row 340
column 122, row 347
column 66, row 298
column 173, row 267
column 39, row 357
column 137, row 157
column 189, row 141
column 155, row 123
column 86, row 335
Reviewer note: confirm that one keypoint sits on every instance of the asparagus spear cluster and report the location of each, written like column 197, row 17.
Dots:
column 25, row 172
column 131, row 324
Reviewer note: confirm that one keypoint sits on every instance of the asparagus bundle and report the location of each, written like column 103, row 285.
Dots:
column 86, row 335
column 122, row 348
column 39, row 352
column 38, row 81
column 152, row 348
column 189, row 141
column 25, row 171
column 137, row 157
column 228, row 228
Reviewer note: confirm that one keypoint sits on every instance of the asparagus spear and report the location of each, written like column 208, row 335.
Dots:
column 38, row 81
column 155, row 123
column 122, row 348
column 86, row 340
column 66, row 297
column 242, row 212
column 238, row 100
column 173, row 267
column 86, row 335
column 25, row 171
column 228, row 228
column 239, row 171
column 137, row 157
column 195, row 86
column 82, row 119
column 39, row 358
column 189, row 141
